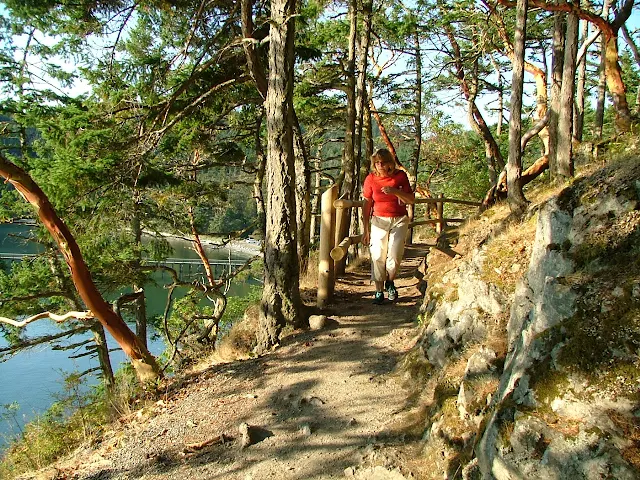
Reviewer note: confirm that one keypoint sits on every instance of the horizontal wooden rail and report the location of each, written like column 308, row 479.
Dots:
column 435, row 221
column 447, row 200
column 340, row 251
column 346, row 203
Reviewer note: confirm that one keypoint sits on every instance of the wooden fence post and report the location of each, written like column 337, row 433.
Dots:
column 343, row 215
column 440, row 209
column 327, row 238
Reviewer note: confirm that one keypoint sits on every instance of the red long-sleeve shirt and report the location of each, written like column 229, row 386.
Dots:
column 386, row 205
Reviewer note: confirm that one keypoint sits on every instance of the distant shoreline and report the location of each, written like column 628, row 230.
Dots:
column 248, row 247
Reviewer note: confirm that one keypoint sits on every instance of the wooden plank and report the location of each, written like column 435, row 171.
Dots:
column 447, row 200
column 325, row 263
column 346, row 203
column 435, row 221
column 339, row 252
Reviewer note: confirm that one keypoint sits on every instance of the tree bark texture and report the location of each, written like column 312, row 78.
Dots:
column 348, row 152
column 515, row 197
column 578, row 115
column 492, row 150
column 609, row 31
column 417, row 127
column 144, row 363
column 303, row 195
column 281, row 302
column 564, row 160
column 556, row 84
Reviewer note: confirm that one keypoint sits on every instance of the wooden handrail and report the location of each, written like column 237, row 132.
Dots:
column 435, row 221
column 340, row 251
column 346, row 203
column 447, row 200
column 333, row 249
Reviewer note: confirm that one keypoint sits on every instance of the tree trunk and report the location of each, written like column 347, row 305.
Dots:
column 249, row 43
column 368, row 131
column 556, row 84
column 104, row 360
column 102, row 349
column 492, row 150
column 281, row 304
column 609, row 31
column 636, row 56
column 564, row 159
column 578, row 117
column 616, row 85
column 348, row 157
column 348, row 174
column 515, row 197
column 261, row 160
column 500, row 109
column 417, row 127
column 303, row 196
column 361, row 111
column 140, row 304
column 539, row 76
column 601, row 96
column 144, row 363
column 315, row 197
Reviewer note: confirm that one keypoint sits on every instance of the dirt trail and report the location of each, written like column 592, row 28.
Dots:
column 317, row 407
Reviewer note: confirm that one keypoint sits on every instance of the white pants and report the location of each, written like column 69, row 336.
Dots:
column 386, row 247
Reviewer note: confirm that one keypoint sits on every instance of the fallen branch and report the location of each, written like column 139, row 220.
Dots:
column 58, row 318
column 194, row 447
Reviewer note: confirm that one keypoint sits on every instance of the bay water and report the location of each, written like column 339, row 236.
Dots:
column 33, row 379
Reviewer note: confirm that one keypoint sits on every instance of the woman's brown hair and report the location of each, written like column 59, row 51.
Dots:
column 382, row 155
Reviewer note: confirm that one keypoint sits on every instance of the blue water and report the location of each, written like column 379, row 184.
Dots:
column 34, row 378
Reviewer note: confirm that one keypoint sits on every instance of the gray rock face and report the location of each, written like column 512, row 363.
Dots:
column 541, row 302
column 463, row 321
column 520, row 436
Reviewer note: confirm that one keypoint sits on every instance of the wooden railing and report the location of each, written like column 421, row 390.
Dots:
column 334, row 246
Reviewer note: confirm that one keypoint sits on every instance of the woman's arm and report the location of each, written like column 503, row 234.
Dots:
column 406, row 197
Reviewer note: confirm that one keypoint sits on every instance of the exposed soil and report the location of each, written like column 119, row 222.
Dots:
column 319, row 407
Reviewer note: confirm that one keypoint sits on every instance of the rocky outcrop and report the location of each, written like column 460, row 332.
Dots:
column 561, row 401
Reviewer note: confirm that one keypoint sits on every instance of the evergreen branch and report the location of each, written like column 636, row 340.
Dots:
column 44, row 339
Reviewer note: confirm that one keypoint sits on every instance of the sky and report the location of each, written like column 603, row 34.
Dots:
column 457, row 112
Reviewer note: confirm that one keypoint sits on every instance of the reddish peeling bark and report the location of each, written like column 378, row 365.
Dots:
column 609, row 31
column 383, row 131
column 144, row 363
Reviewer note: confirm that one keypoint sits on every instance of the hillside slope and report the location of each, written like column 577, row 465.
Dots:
column 528, row 360
column 314, row 408
column 525, row 365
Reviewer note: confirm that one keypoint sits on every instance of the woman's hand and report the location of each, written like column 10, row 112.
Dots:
column 389, row 190
column 365, row 238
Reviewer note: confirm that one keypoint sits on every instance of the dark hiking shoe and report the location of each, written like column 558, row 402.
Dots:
column 392, row 293
column 378, row 299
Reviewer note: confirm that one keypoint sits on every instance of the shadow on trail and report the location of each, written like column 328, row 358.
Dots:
column 315, row 406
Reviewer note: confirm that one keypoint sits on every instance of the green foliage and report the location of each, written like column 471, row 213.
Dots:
column 74, row 418
column 454, row 162
column 236, row 306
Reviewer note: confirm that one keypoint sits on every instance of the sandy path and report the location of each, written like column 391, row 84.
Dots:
column 316, row 406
